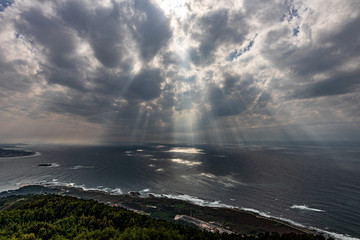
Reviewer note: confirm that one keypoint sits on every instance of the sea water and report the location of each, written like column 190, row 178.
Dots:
column 310, row 185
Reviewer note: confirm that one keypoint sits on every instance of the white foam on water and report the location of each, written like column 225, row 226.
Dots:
column 116, row 191
column 205, row 203
column 81, row 167
column 54, row 182
column 335, row 235
column 306, row 208
column 226, row 181
column 218, row 204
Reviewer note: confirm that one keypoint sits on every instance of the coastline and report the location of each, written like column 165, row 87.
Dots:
column 235, row 220
column 14, row 152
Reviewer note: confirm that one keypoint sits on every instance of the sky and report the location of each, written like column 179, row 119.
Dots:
column 205, row 71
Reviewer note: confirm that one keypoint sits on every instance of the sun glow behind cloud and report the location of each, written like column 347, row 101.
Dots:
column 175, row 8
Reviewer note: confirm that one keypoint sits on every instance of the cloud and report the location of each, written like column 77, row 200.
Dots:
column 201, row 71
column 150, row 28
column 94, row 25
column 146, row 85
column 214, row 29
column 12, row 79
column 327, row 53
column 233, row 98
column 336, row 85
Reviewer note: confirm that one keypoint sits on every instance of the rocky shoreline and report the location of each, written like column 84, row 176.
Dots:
column 220, row 219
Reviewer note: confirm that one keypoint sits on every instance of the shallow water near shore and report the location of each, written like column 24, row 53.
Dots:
column 312, row 185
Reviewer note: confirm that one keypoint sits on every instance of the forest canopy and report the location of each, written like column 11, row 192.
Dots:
column 63, row 217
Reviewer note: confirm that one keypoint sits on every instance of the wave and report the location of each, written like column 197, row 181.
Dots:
column 56, row 183
column 146, row 190
column 306, row 208
column 218, row 204
column 199, row 202
column 335, row 235
column 81, row 167
column 195, row 200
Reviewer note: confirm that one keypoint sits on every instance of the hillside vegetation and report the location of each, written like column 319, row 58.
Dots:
column 63, row 217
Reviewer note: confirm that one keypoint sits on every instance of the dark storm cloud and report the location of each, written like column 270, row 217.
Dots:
column 102, row 109
column 57, row 43
column 307, row 60
column 339, row 84
column 99, row 103
column 333, row 48
column 103, row 28
column 129, row 65
column 90, row 106
column 215, row 29
column 120, row 101
column 146, row 85
column 263, row 100
column 107, row 29
column 56, row 39
column 234, row 97
column 150, row 28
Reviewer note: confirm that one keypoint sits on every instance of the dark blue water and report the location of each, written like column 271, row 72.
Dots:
column 316, row 186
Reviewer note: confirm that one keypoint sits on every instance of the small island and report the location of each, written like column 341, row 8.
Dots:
column 45, row 165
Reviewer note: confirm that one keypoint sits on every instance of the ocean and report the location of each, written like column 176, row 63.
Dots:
column 315, row 186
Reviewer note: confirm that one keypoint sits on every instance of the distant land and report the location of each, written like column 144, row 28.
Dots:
column 11, row 151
